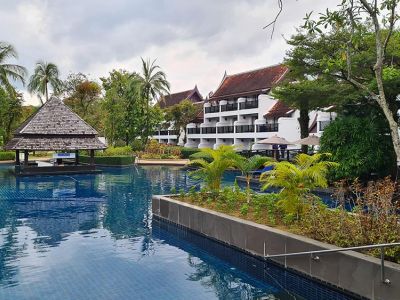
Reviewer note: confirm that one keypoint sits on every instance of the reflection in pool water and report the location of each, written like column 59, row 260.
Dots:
column 92, row 237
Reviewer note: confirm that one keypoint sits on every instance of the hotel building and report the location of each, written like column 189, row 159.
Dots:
column 242, row 112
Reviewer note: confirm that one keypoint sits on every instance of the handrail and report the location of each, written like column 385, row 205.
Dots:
column 317, row 258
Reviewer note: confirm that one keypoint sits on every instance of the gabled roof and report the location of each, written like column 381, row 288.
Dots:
column 175, row 98
column 279, row 109
column 55, row 127
column 54, row 117
column 250, row 82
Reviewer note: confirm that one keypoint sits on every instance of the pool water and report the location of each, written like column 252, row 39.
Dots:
column 93, row 237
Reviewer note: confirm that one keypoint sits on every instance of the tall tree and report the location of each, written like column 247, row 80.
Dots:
column 305, row 95
column 154, row 85
column 114, row 104
column 9, row 71
column 45, row 74
column 10, row 113
column 349, row 19
column 129, row 115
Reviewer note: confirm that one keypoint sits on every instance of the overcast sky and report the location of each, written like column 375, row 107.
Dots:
column 194, row 41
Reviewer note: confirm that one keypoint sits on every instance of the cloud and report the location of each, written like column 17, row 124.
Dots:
column 193, row 41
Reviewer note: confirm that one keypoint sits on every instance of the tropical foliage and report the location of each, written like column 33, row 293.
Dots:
column 211, row 171
column 45, row 74
column 248, row 165
column 297, row 180
column 9, row 71
column 128, row 103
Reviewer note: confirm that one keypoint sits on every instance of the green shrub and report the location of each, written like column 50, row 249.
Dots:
column 109, row 160
column 360, row 146
column 187, row 152
column 7, row 155
column 137, row 145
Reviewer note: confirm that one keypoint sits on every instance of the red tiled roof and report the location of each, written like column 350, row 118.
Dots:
column 279, row 109
column 175, row 98
column 251, row 82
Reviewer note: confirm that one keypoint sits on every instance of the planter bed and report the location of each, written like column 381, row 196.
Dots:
column 351, row 271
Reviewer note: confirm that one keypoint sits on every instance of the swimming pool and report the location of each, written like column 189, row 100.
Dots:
column 92, row 237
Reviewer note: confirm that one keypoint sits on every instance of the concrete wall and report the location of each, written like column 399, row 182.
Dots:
column 350, row 271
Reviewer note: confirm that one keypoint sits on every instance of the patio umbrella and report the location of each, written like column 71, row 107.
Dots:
column 275, row 140
column 312, row 140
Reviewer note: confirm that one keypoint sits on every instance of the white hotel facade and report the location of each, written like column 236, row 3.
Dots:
column 241, row 112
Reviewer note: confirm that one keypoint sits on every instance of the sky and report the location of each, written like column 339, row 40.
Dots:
column 194, row 42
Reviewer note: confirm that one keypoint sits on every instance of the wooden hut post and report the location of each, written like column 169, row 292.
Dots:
column 17, row 162
column 92, row 157
column 26, row 156
column 76, row 157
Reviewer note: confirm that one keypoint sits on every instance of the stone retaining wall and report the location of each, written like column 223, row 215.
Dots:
column 351, row 271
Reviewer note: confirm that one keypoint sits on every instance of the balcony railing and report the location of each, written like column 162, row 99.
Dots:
column 229, row 107
column 226, row 129
column 211, row 109
column 163, row 132
column 267, row 127
column 249, row 104
column 173, row 132
column 244, row 128
column 193, row 130
column 208, row 130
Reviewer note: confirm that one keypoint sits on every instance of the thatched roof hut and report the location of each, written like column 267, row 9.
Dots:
column 55, row 127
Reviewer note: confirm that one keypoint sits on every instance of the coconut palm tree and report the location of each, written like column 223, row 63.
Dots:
column 153, row 85
column 45, row 73
column 10, row 71
column 246, row 165
column 212, row 164
column 298, row 179
column 154, row 81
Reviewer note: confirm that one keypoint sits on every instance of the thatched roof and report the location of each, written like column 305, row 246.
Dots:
column 55, row 127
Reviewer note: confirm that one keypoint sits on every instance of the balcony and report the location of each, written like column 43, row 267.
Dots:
column 267, row 127
column 208, row 130
column 163, row 132
column 226, row 129
column 173, row 132
column 211, row 109
column 193, row 130
column 244, row 128
column 229, row 107
column 249, row 104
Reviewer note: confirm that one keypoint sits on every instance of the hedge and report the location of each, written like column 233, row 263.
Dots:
column 187, row 152
column 109, row 160
column 7, row 155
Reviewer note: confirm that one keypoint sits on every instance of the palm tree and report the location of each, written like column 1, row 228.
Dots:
column 10, row 71
column 212, row 164
column 298, row 179
column 45, row 73
column 246, row 165
column 154, row 81
column 154, row 84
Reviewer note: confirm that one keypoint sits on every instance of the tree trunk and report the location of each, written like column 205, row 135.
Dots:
column 304, row 121
column 46, row 92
